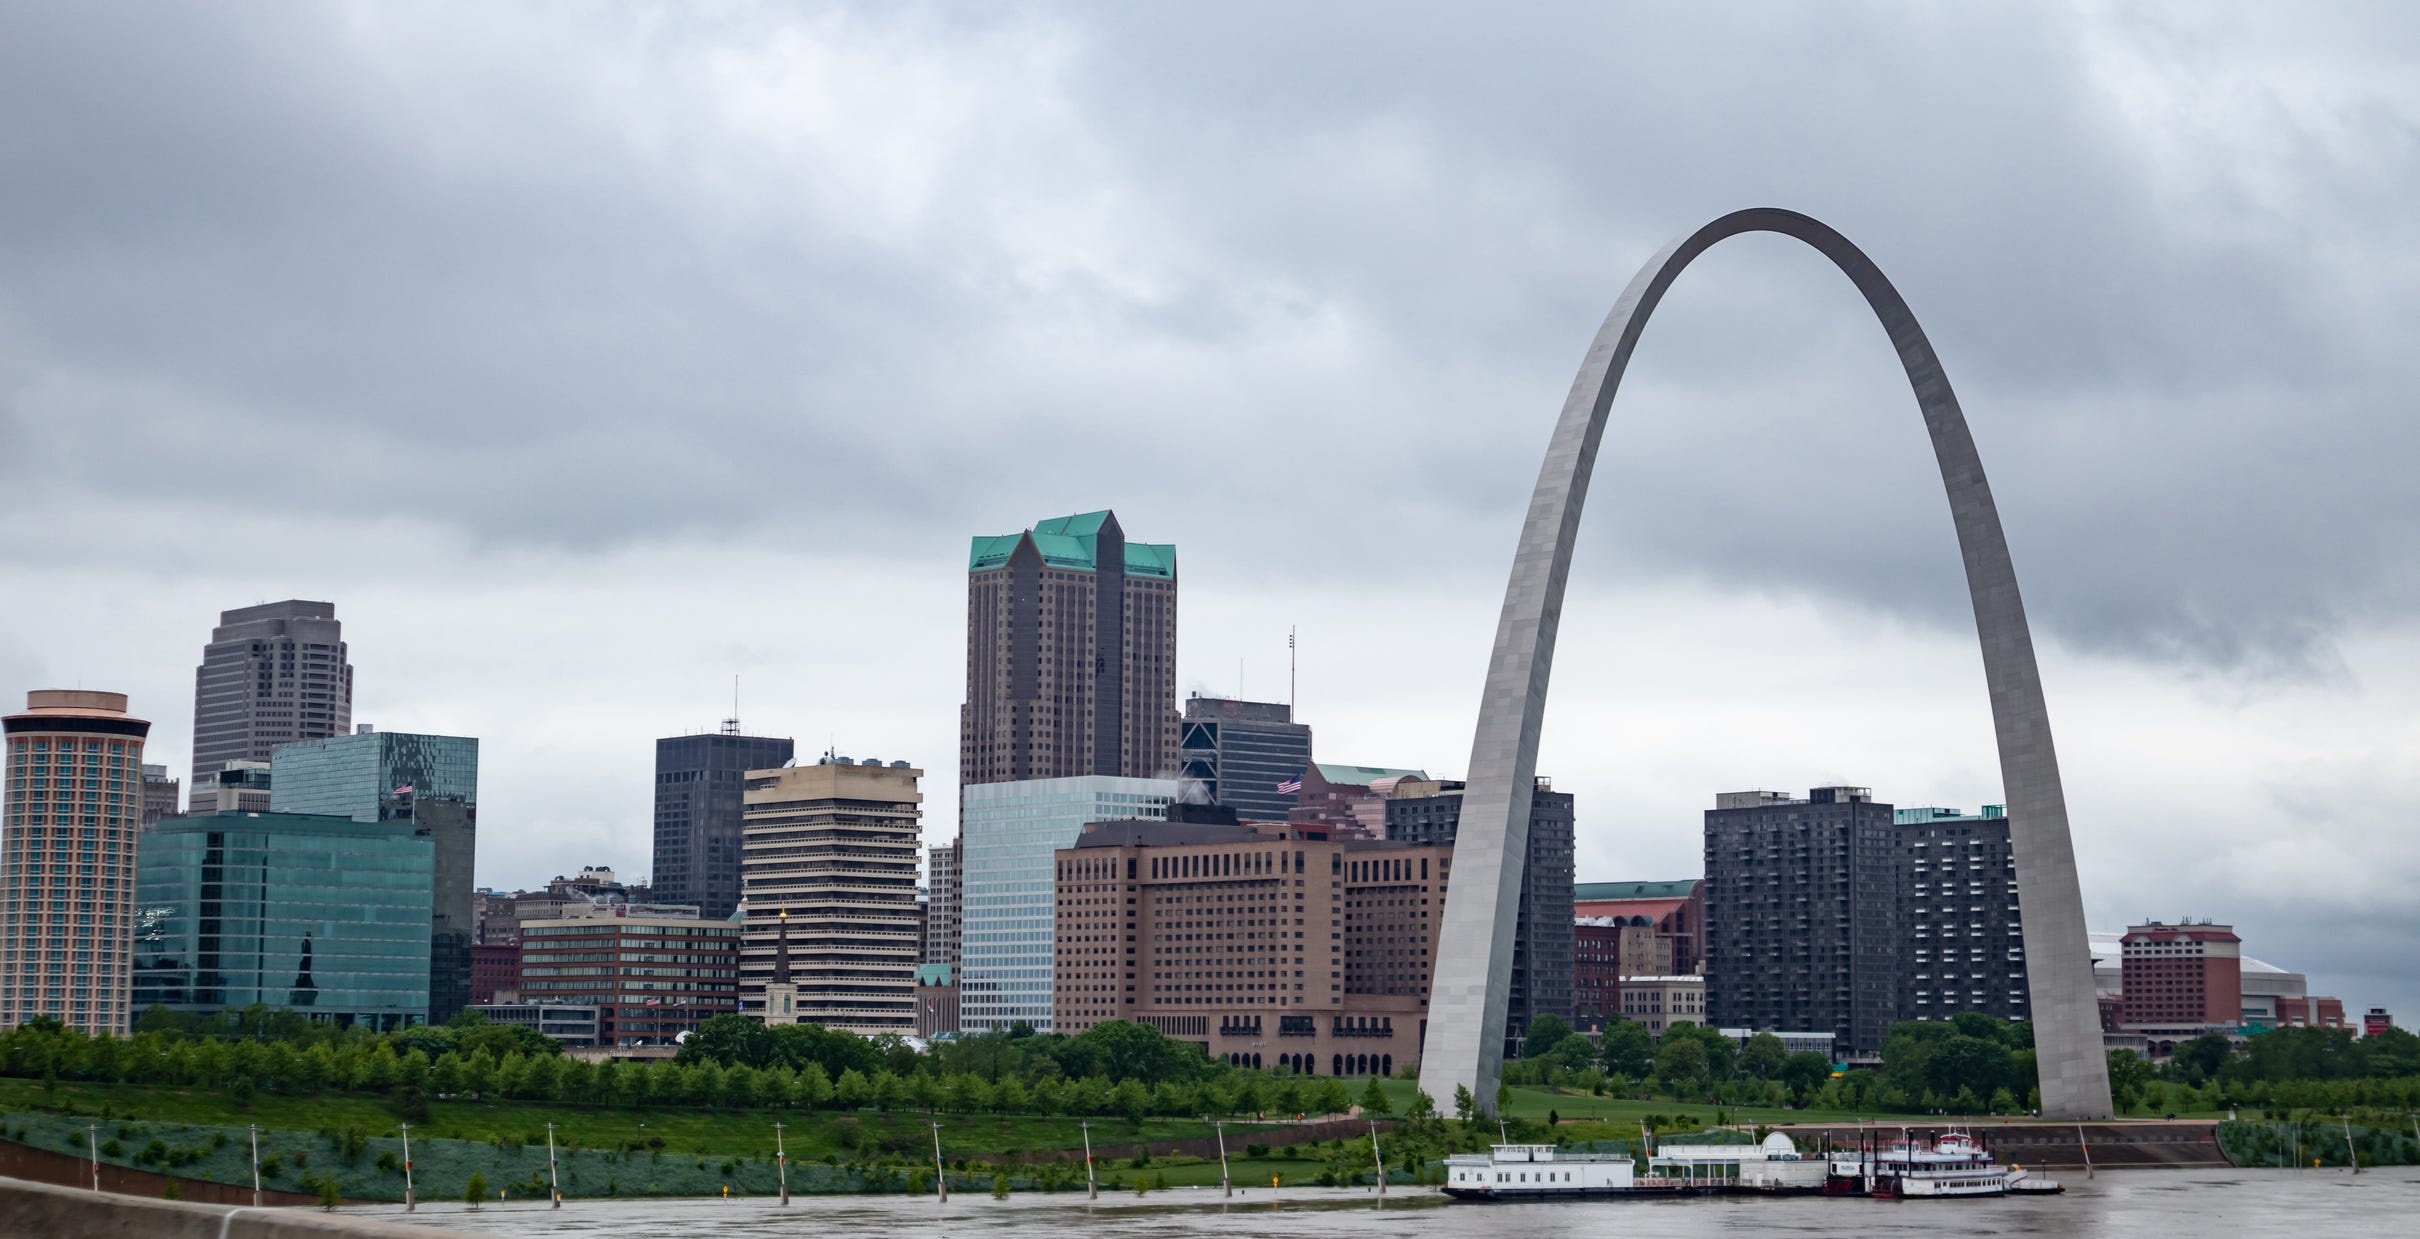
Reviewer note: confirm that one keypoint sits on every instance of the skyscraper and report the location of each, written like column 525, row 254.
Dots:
column 698, row 810
column 1070, row 655
column 1009, row 832
column 73, row 808
column 1428, row 812
column 429, row 782
column 828, row 863
column 945, row 877
column 271, row 674
column 1803, row 924
column 1241, row 751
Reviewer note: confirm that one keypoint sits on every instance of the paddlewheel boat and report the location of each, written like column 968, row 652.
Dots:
column 1955, row 1164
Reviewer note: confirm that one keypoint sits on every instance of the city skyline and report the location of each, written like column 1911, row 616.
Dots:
column 2194, row 400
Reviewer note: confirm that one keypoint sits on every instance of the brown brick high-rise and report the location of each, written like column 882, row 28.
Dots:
column 1070, row 655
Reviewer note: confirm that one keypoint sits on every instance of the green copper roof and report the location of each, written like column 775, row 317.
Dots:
column 1072, row 542
column 1363, row 776
column 1581, row 891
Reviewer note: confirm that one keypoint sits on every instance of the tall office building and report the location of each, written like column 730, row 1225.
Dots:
column 1171, row 924
column 240, row 786
column 698, row 810
column 828, row 875
column 1962, row 936
column 944, row 916
column 1803, row 914
column 314, row 912
column 271, row 674
column 1070, row 655
column 1243, row 753
column 2183, row 975
column 162, row 796
column 73, row 808
column 1427, row 812
column 1008, row 832
column 651, row 978
column 428, row 782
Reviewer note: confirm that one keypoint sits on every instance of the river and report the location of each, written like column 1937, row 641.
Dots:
column 2240, row 1204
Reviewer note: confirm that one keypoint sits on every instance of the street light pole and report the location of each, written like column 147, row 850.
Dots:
column 1378, row 1157
column 1225, row 1188
column 92, row 1137
column 1092, row 1188
column 941, row 1172
column 554, row 1185
column 408, row 1203
column 255, row 1165
column 781, row 1165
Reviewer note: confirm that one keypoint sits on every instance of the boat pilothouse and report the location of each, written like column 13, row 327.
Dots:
column 1955, row 1164
column 1531, row 1171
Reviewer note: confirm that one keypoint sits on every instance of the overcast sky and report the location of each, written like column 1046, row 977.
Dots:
column 588, row 356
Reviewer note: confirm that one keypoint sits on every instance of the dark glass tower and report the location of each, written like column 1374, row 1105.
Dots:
column 1542, row 963
column 698, row 812
column 1240, row 751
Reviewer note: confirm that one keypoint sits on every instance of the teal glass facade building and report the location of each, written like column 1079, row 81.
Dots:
column 321, row 914
column 355, row 776
column 1009, row 832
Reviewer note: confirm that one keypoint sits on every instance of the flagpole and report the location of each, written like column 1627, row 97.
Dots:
column 1290, row 674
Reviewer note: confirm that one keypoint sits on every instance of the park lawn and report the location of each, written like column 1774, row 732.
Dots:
column 808, row 1136
column 1535, row 1103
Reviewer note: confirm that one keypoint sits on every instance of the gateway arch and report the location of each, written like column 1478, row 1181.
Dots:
column 1465, row 1038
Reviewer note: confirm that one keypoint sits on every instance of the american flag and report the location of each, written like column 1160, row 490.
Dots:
column 404, row 790
column 1291, row 787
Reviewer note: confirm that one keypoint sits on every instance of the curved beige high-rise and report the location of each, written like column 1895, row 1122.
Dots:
column 1465, row 1041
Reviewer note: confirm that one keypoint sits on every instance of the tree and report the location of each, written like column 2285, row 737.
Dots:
column 852, row 1091
column 1424, row 1107
column 1680, row 1059
column 2201, row 1058
column 1628, row 1049
column 1544, row 1034
column 2129, row 1073
column 1374, row 1099
column 474, row 1191
column 1763, row 1056
column 1466, row 1107
column 1804, row 1072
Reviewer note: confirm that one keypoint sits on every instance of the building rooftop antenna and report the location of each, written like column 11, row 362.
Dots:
column 731, row 724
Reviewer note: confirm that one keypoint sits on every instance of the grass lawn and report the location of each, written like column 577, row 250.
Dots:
column 1534, row 1103
column 716, row 1132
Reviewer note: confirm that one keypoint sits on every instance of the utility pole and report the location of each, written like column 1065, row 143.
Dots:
column 554, row 1186
column 255, row 1165
column 1092, row 1188
column 1378, row 1157
column 941, row 1173
column 92, row 1137
column 408, row 1203
column 781, row 1165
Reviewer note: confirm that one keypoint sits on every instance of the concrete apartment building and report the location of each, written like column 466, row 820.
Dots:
column 72, row 810
column 1244, row 754
column 1428, row 812
column 651, row 978
column 828, row 865
column 1261, row 946
column 1631, row 929
column 1802, row 914
column 1962, row 933
column 1070, row 655
column 698, row 810
column 270, row 675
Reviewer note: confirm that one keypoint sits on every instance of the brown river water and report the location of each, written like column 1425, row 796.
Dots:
column 2238, row 1204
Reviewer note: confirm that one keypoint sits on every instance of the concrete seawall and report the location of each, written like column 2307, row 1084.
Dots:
column 54, row 1212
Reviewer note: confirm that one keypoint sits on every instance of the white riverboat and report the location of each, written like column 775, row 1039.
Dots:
column 1955, row 1164
column 1535, row 1171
